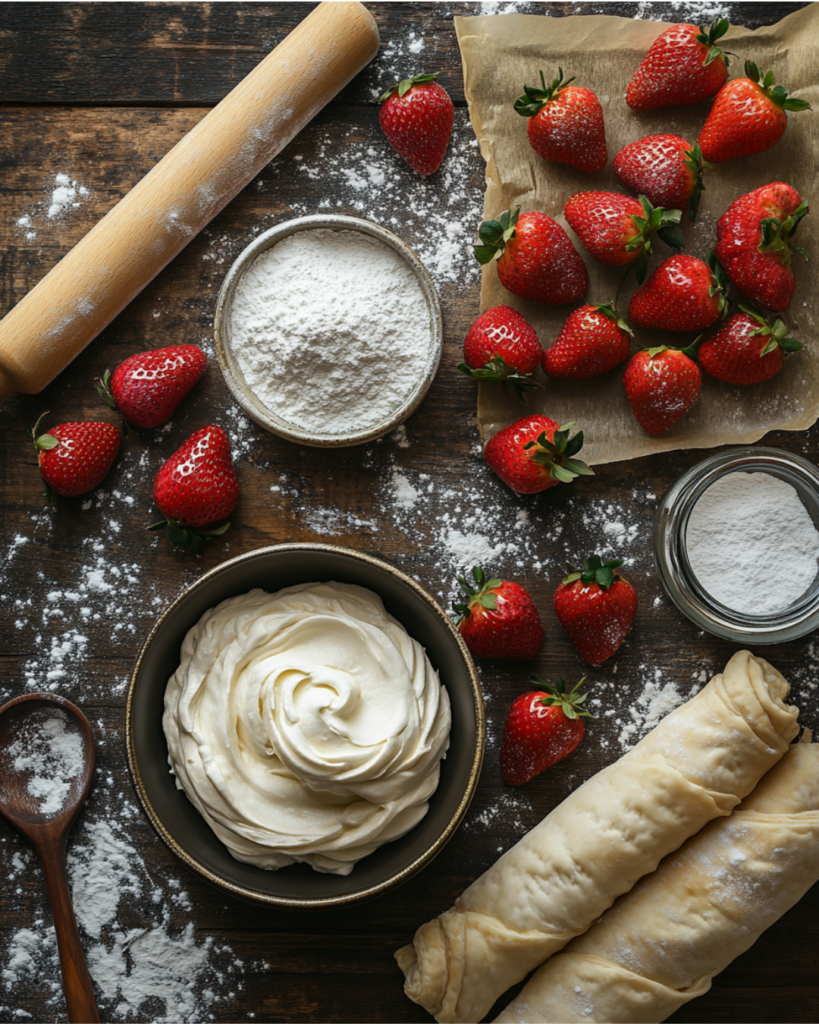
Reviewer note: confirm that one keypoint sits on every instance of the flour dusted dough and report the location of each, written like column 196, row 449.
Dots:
column 660, row 946
column 697, row 765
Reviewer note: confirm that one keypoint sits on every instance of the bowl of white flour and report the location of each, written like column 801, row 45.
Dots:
column 328, row 330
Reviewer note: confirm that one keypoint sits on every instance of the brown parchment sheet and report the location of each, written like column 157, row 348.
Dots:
column 500, row 54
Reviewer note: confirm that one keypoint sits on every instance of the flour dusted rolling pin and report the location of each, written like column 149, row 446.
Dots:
column 183, row 192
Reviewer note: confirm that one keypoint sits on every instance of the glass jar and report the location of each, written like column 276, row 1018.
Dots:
column 674, row 567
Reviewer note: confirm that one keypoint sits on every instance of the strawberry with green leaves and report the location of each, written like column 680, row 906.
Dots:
column 748, row 116
column 683, row 65
column 748, row 349
column 666, row 169
column 148, row 386
column 754, row 243
column 542, row 728
column 535, row 453
column 535, row 257
column 196, row 489
column 565, row 123
column 596, row 607
column 417, row 116
column 502, row 346
column 618, row 229
column 661, row 385
column 498, row 618
column 74, row 457
column 593, row 340
column 683, row 294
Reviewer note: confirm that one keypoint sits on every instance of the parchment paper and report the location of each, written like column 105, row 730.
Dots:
column 502, row 53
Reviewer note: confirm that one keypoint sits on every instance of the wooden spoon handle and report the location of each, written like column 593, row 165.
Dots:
column 79, row 992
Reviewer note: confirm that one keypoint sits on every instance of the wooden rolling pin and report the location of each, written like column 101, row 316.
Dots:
column 183, row 192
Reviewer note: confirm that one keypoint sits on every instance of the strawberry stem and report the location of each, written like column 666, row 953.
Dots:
column 494, row 234
column 403, row 87
column 479, row 594
column 534, row 100
column 570, row 703
column 558, row 454
column 595, row 570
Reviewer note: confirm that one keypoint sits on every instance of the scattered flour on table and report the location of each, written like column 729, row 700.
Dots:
column 64, row 194
column 47, row 745
column 159, row 972
column 339, row 357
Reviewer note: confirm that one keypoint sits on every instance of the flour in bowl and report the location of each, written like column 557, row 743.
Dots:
column 331, row 330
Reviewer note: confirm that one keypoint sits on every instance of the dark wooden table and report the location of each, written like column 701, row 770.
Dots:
column 99, row 92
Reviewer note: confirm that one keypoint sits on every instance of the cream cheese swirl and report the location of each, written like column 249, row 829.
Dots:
column 306, row 725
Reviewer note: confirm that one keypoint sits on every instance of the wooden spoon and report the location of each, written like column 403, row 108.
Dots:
column 44, row 809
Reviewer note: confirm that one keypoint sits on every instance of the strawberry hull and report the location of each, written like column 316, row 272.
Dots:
column 763, row 274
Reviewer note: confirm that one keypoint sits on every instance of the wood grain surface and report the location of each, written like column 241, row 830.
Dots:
column 100, row 92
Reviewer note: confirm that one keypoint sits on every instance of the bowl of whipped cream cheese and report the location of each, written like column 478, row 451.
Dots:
column 305, row 726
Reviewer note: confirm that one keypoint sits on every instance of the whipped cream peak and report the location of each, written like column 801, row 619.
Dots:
column 306, row 725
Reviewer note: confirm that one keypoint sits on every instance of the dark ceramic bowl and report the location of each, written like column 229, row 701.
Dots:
column 178, row 822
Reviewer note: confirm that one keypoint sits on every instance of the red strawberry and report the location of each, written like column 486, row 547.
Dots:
column 535, row 454
column 661, row 384
column 565, row 123
column 542, row 728
column 747, row 349
column 683, row 65
column 148, row 386
column 196, row 488
column 74, row 457
column 617, row 229
column 499, row 619
column 417, row 117
column 748, row 116
column 683, row 294
column 666, row 169
column 596, row 607
column 537, row 260
column 594, row 339
column 502, row 345
column 753, row 243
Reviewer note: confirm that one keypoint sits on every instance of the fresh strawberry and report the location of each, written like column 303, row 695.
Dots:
column 197, row 488
column 594, row 339
column 596, row 607
column 565, row 123
column 417, row 117
column 543, row 727
column 498, row 618
column 683, row 294
column 753, row 243
column 661, row 384
column 666, row 169
column 148, row 386
column 748, row 116
column 537, row 259
column 683, row 65
column 535, row 454
column 747, row 349
column 74, row 457
column 617, row 229
column 503, row 346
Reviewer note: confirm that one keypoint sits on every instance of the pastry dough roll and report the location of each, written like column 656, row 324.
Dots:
column 698, row 763
column 660, row 946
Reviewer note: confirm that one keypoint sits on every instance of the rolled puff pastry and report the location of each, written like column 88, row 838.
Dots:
column 660, row 945
column 696, row 765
